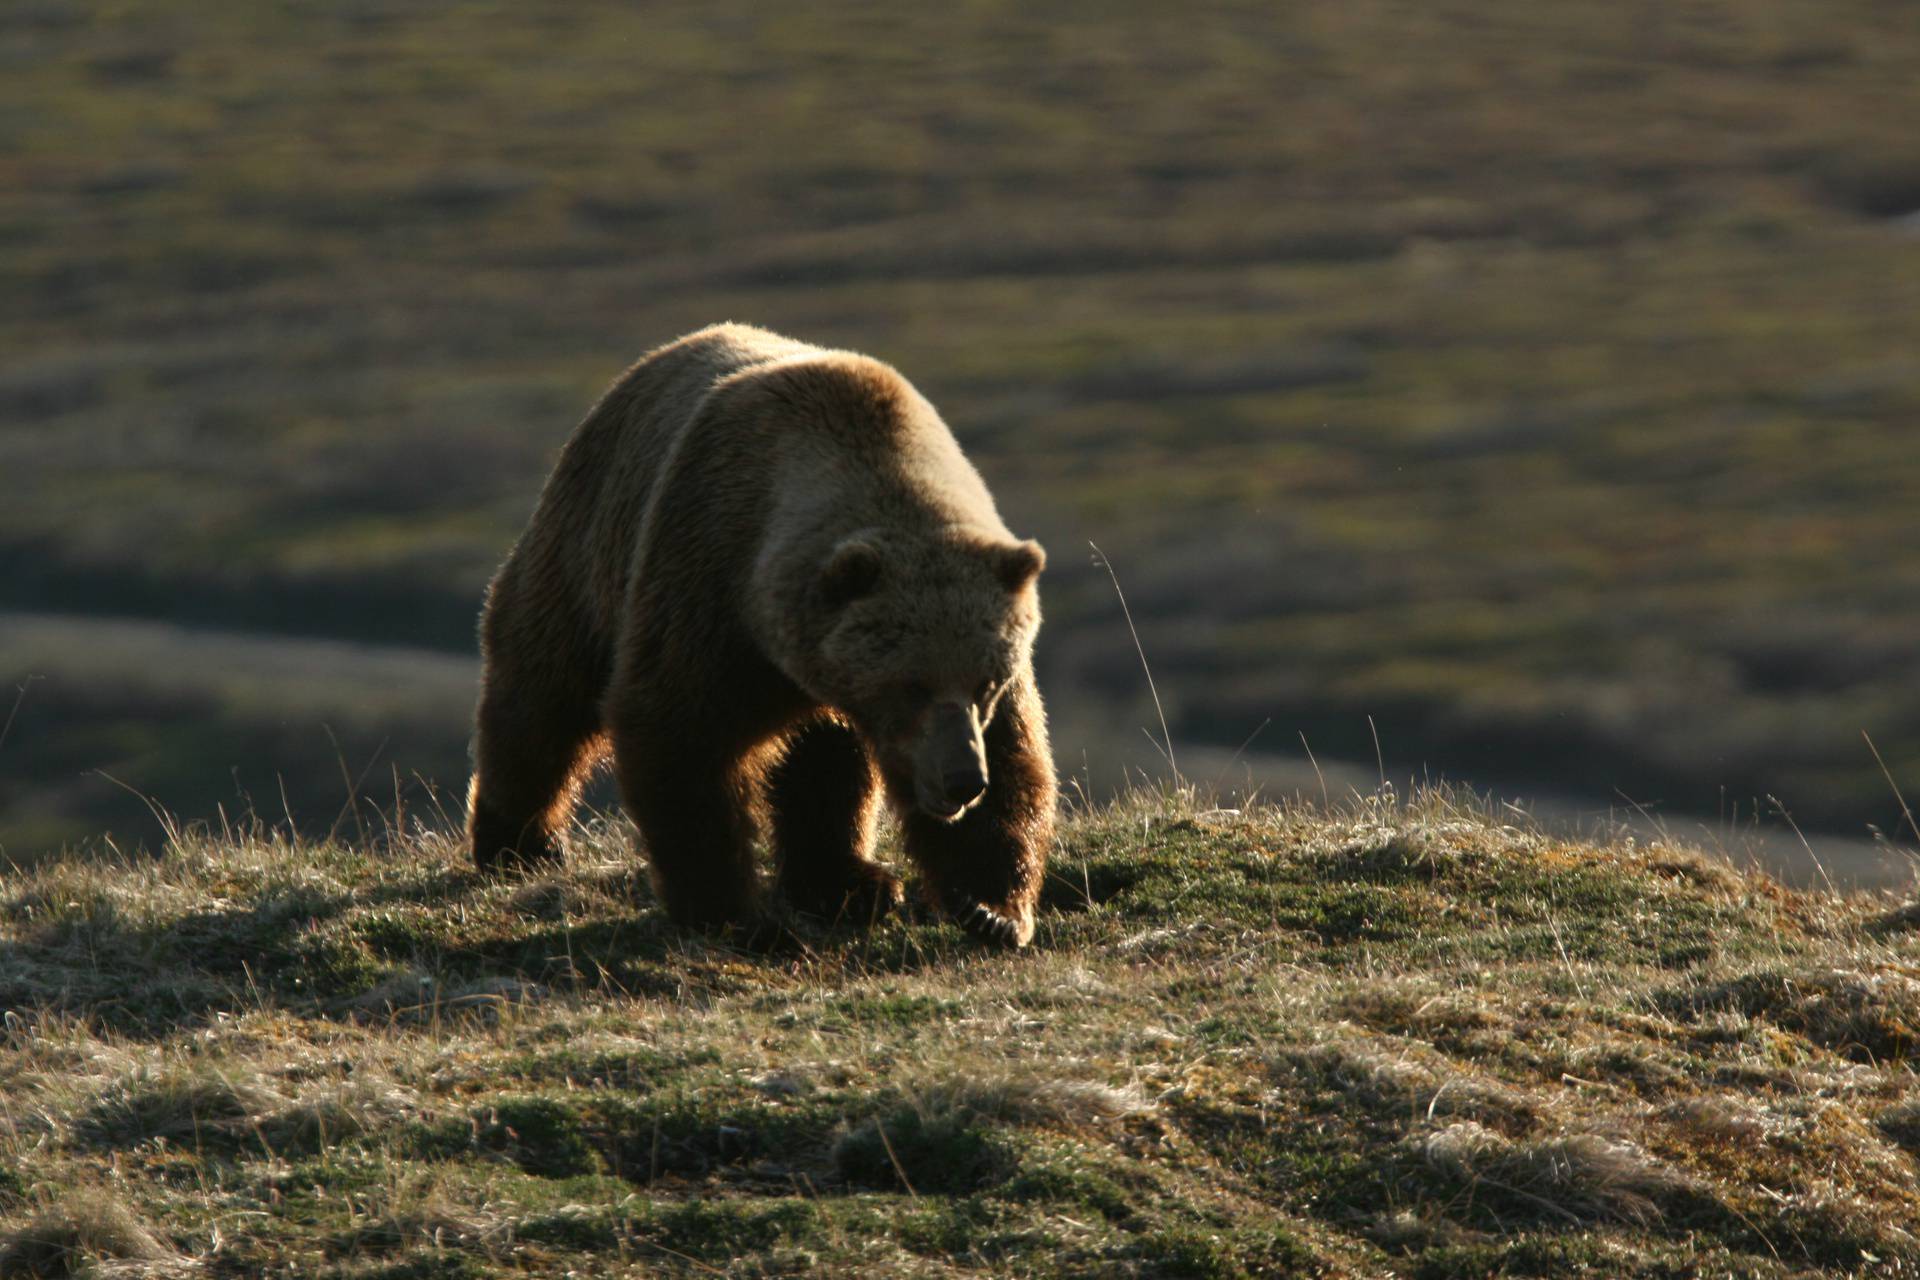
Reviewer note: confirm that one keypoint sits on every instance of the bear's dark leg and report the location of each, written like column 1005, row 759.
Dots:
column 537, row 733
column 824, row 796
column 986, row 869
column 692, row 800
column 529, row 760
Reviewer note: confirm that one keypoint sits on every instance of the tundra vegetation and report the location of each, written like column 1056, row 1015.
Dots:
column 1399, row 1036
column 1537, row 378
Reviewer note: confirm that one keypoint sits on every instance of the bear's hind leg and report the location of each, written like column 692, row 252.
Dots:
column 824, row 798
column 527, row 774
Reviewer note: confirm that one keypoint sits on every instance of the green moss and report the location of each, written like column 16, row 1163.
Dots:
column 331, row 966
column 945, row 1153
column 720, row 1231
column 1225, row 1254
column 13, row 1186
column 579, row 1227
column 311, row 1188
column 693, row 1135
column 544, row 1136
column 1074, row 1189
column 892, row 1010
column 403, row 933
column 1336, row 914
column 955, row 1227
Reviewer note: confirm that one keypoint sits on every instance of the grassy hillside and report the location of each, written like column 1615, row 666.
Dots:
column 1536, row 378
column 1400, row 1038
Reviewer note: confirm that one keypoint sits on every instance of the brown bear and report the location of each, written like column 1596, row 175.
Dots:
column 765, row 577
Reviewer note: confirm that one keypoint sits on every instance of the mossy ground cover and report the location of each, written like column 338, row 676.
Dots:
column 1403, row 1037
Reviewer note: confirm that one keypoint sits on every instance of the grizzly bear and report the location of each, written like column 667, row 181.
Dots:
column 765, row 578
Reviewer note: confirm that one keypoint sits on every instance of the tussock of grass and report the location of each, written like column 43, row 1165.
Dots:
column 1389, row 1082
column 1901, row 1123
column 1030, row 1098
column 82, row 1229
column 219, row 1107
column 330, row 1114
column 1873, row 1015
column 1900, row 919
column 424, row 1212
column 1397, row 1036
column 185, row 1109
column 920, row 1149
column 1579, row 1178
column 949, row 1135
column 1720, row 1119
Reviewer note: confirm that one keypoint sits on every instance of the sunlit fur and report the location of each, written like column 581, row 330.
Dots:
column 758, row 572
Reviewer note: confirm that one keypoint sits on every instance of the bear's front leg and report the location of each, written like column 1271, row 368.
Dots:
column 986, row 869
column 823, row 797
column 689, row 799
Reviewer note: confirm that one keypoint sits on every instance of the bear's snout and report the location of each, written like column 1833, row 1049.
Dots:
column 964, row 785
column 950, row 774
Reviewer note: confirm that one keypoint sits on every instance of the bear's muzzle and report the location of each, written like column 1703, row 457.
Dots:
column 950, row 774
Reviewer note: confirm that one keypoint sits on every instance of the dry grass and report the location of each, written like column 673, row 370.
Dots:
column 78, row 1231
column 1031, row 1098
column 1400, row 1036
column 1579, row 1178
column 1871, row 1011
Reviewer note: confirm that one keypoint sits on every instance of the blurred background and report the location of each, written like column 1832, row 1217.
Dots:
column 1533, row 386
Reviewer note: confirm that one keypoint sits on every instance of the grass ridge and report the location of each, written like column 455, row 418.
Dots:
column 1403, row 1036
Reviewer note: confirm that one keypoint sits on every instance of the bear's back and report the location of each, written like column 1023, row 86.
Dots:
column 753, row 438
column 848, row 433
column 610, row 469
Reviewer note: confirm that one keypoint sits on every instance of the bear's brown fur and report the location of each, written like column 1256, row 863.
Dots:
column 765, row 577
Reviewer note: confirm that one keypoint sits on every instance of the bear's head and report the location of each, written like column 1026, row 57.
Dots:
column 923, row 636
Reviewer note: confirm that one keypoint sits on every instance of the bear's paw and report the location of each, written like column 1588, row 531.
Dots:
column 985, row 923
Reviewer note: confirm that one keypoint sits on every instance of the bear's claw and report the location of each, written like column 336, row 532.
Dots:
column 984, row 922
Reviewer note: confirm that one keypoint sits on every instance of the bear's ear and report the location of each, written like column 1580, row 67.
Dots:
column 850, row 572
column 1018, row 564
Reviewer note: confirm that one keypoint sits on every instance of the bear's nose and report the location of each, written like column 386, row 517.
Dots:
column 964, row 785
